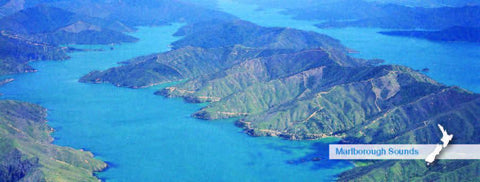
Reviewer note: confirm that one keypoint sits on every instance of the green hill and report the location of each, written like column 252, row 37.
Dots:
column 27, row 153
column 228, row 33
column 196, row 55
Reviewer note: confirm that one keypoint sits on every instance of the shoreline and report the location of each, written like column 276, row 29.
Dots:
column 52, row 140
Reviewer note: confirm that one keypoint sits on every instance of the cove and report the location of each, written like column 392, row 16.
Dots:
column 150, row 138
column 450, row 63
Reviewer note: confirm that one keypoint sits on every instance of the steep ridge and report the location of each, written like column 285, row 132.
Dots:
column 251, row 72
column 320, row 101
column 175, row 65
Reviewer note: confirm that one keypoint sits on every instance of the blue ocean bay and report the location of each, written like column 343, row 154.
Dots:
column 150, row 138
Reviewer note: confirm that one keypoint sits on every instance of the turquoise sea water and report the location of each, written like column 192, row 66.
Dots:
column 150, row 138
column 450, row 63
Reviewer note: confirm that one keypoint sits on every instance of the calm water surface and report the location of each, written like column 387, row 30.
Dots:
column 150, row 138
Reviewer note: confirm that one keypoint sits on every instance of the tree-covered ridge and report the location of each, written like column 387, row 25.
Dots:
column 187, row 62
column 196, row 55
column 254, row 71
column 27, row 153
column 229, row 33
column 318, row 102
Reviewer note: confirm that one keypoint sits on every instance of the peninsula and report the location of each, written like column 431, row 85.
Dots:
column 303, row 85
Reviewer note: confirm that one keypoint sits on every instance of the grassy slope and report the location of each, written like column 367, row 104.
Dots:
column 27, row 152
